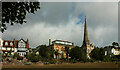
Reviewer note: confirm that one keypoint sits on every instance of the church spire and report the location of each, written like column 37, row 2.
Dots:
column 86, row 45
column 86, row 38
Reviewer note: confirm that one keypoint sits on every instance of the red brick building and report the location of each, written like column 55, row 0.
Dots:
column 19, row 46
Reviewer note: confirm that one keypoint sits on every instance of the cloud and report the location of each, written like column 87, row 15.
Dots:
column 64, row 21
column 53, row 13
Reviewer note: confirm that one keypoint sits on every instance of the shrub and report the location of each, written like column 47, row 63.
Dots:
column 15, row 55
column 90, row 60
column 8, row 60
column 44, row 59
column 73, row 61
column 107, row 59
column 52, row 62
column 19, row 58
column 33, row 57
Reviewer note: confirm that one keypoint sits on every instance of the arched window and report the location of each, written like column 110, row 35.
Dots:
column 6, row 43
column 11, row 44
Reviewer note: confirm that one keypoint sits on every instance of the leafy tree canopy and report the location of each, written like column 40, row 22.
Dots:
column 67, row 51
column 43, row 51
column 97, row 53
column 115, row 44
column 77, row 53
column 15, row 12
column 33, row 57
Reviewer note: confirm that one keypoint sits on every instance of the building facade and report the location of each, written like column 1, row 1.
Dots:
column 112, row 50
column 59, row 45
column 87, row 47
column 20, row 46
column 1, row 42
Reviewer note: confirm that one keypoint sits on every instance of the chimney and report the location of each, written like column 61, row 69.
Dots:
column 27, row 44
column 49, row 42
column 27, row 39
column 14, row 42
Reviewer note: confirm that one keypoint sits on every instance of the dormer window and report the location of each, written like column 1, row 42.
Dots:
column 6, row 43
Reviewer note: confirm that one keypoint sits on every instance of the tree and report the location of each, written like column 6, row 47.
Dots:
column 33, row 57
column 67, row 51
column 51, row 54
column 43, row 51
column 97, row 53
column 10, row 53
column 56, row 53
column 115, row 44
column 107, row 58
column 15, row 55
column 15, row 12
column 77, row 53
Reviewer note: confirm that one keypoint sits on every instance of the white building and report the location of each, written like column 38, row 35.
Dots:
column 109, row 50
column 1, row 42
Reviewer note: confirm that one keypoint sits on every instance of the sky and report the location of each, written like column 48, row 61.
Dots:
column 65, row 21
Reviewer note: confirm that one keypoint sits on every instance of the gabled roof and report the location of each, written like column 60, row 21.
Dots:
column 22, row 39
column 15, row 43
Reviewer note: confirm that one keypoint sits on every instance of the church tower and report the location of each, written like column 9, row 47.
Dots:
column 86, row 45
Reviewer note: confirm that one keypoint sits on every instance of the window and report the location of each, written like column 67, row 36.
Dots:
column 6, row 43
column 62, row 42
column 11, row 44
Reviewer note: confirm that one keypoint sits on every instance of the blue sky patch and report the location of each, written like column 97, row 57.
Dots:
column 81, row 16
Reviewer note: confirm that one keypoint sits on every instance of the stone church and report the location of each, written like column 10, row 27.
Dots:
column 87, row 47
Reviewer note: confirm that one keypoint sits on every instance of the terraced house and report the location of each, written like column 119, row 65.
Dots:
column 11, row 46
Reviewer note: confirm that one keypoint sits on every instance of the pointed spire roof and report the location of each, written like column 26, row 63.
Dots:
column 86, row 38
